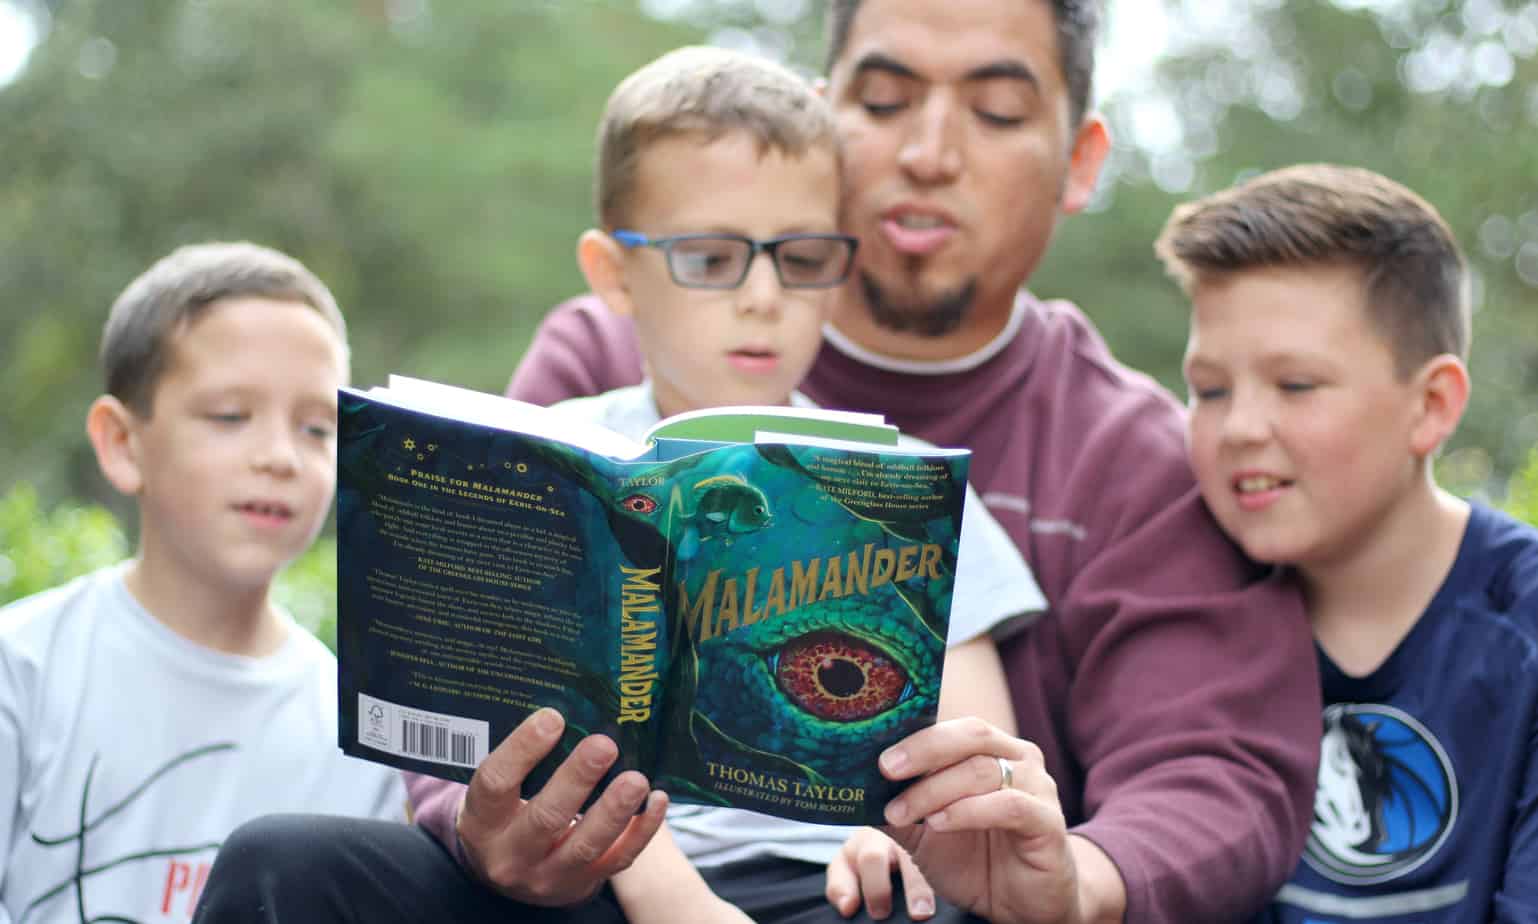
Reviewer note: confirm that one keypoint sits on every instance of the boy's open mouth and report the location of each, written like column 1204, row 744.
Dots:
column 270, row 509
column 754, row 359
column 1256, row 484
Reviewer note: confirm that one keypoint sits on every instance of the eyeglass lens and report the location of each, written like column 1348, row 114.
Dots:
column 722, row 262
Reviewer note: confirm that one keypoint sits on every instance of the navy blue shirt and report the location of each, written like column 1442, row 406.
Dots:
column 1427, row 807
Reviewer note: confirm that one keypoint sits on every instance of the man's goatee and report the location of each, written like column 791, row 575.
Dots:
column 933, row 318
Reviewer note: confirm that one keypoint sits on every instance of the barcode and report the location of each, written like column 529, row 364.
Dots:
column 437, row 743
column 420, row 734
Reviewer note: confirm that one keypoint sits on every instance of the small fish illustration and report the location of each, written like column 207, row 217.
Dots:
column 720, row 505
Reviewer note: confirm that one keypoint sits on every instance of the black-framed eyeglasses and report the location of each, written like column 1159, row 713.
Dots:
column 721, row 261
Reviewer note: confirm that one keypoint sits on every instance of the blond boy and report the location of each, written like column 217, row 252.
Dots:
column 148, row 709
column 717, row 195
column 1326, row 365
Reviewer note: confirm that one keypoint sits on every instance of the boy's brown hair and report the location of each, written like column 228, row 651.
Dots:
column 136, row 342
column 1413, row 273
column 706, row 92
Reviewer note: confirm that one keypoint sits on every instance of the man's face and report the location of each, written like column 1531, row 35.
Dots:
column 959, row 153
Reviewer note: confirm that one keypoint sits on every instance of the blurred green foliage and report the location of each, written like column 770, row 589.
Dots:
column 1522, row 499
column 307, row 589
column 1438, row 96
column 43, row 547
column 430, row 160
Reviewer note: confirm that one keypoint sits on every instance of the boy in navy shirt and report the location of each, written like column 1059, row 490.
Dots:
column 1329, row 330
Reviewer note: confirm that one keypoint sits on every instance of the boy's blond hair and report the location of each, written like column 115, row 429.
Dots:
column 135, row 344
column 705, row 92
column 1415, row 280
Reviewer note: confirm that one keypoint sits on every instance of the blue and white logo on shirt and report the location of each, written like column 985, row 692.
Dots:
column 1387, row 796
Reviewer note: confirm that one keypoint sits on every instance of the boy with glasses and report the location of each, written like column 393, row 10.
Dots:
column 717, row 198
column 717, row 193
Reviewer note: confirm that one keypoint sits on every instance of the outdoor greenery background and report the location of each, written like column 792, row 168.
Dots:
column 430, row 159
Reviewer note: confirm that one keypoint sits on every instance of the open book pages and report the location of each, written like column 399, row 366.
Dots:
column 744, row 424
column 489, row 410
column 710, row 425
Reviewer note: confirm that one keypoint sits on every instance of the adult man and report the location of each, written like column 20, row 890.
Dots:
column 1168, row 697
column 1166, row 688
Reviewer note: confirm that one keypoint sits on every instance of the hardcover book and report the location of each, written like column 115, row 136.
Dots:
column 752, row 602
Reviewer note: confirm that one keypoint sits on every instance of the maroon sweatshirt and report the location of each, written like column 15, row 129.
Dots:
column 1172, row 685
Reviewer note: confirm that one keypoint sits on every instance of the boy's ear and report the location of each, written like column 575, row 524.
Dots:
column 110, row 427
column 1442, row 388
column 602, row 263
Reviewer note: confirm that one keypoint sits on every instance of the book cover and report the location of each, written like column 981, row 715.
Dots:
column 752, row 622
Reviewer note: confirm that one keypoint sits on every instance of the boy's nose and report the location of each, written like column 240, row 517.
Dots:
column 276, row 453
column 1247, row 420
column 760, row 292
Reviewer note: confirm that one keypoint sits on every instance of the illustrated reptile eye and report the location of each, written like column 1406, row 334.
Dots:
column 839, row 678
column 638, row 503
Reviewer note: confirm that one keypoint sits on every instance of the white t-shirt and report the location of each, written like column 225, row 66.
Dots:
column 994, row 592
column 129, row 753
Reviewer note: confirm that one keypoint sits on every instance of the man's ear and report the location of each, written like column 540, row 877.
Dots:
column 603, row 265
column 1442, row 392
column 110, row 426
column 1090, row 147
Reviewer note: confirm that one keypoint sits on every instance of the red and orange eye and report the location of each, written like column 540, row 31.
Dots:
column 839, row 678
column 638, row 503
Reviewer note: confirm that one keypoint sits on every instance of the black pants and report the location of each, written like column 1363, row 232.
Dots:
column 312, row 868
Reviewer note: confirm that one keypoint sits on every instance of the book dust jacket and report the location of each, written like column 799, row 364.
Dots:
column 752, row 624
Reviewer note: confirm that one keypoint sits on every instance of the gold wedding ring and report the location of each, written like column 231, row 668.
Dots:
column 1006, row 774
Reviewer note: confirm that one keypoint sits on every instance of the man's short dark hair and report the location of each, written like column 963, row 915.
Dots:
column 1078, row 29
